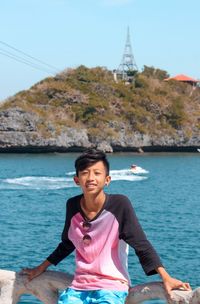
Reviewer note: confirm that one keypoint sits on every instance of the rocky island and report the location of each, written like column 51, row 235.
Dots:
column 84, row 107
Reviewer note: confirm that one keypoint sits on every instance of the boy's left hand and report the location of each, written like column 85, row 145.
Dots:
column 172, row 283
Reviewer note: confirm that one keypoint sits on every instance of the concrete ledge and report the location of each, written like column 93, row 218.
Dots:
column 45, row 288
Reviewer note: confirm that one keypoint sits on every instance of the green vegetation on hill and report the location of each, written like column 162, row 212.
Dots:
column 90, row 98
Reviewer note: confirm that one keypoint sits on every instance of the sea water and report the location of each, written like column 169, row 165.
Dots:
column 165, row 194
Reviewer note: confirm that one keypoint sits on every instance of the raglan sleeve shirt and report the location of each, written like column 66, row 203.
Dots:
column 129, row 230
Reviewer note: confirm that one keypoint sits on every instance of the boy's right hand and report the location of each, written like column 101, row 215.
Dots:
column 32, row 272
column 36, row 271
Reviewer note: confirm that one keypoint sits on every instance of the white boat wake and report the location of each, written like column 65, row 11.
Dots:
column 37, row 182
column 54, row 183
column 124, row 174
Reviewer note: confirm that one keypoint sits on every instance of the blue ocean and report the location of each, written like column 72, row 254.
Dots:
column 165, row 193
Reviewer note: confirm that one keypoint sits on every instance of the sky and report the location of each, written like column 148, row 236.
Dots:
column 62, row 34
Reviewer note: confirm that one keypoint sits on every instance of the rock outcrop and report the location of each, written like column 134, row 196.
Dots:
column 46, row 287
column 19, row 133
column 85, row 108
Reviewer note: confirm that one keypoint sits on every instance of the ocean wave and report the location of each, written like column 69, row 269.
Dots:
column 126, row 174
column 122, row 174
column 52, row 182
column 37, row 182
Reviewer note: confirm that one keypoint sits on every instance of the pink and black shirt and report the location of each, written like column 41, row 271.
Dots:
column 102, row 244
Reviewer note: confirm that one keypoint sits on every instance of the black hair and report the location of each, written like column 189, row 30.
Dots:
column 90, row 157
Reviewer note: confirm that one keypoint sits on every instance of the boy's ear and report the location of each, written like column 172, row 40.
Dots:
column 108, row 180
column 76, row 180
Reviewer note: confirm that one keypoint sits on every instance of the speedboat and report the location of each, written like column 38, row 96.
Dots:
column 137, row 170
column 134, row 168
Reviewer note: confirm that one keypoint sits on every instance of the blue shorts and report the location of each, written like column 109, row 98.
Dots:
column 72, row 296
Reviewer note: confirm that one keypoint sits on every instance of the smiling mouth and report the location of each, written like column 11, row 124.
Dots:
column 90, row 185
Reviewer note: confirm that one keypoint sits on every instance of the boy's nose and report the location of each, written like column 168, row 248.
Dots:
column 90, row 176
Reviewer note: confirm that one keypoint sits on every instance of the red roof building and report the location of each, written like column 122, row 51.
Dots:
column 183, row 78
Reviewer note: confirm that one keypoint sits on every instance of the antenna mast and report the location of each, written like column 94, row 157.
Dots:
column 128, row 67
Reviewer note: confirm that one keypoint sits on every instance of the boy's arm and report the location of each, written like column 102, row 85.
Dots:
column 171, row 283
column 36, row 271
column 62, row 251
column 64, row 248
column 132, row 233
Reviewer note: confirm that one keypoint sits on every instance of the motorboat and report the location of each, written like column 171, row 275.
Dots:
column 137, row 170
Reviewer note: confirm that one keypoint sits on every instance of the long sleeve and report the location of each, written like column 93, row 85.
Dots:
column 65, row 247
column 133, row 234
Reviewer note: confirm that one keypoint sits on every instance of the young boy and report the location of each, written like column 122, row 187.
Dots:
column 99, row 227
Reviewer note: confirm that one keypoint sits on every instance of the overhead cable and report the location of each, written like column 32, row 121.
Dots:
column 25, row 61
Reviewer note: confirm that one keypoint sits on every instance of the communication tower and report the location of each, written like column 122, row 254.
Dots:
column 127, row 68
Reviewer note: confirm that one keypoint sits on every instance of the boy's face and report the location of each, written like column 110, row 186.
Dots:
column 93, row 178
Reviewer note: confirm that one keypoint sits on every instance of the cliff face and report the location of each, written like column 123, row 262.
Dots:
column 85, row 108
column 19, row 132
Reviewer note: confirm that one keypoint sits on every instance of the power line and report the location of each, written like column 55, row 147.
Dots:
column 27, row 55
column 17, row 58
column 34, row 58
